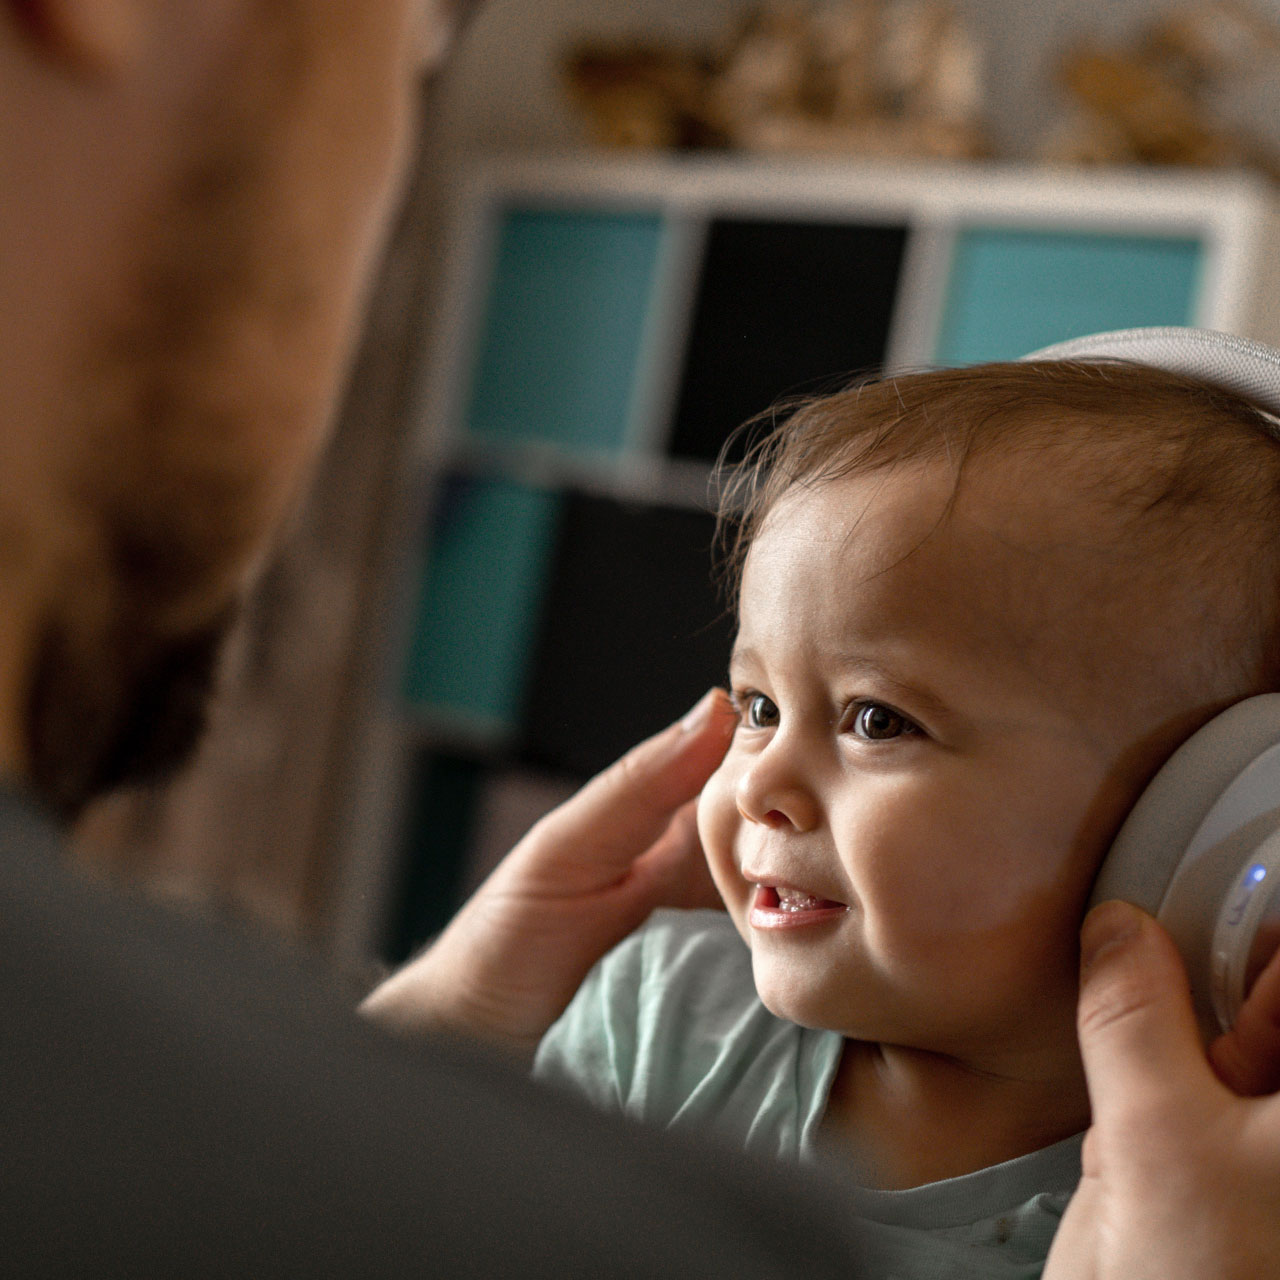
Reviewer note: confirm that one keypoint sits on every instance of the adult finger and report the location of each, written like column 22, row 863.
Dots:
column 1138, row 1033
column 622, row 811
column 1247, row 1058
column 676, row 867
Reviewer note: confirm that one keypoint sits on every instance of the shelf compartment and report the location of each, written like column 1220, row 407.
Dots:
column 490, row 550
column 782, row 308
column 1014, row 290
column 561, row 338
column 633, row 632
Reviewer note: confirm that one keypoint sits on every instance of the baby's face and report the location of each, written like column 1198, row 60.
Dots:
column 944, row 716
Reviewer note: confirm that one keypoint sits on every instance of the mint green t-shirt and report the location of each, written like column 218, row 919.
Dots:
column 668, row 1030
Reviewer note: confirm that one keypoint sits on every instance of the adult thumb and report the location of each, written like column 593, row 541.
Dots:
column 618, row 815
column 1138, row 1033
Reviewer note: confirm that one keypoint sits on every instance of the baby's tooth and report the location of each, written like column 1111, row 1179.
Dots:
column 795, row 900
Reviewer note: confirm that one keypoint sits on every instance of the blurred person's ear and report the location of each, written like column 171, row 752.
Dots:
column 96, row 37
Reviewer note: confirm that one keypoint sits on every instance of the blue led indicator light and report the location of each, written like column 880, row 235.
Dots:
column 1257, row 873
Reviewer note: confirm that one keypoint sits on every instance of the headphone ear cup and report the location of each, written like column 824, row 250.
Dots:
column 1201, row 849
column 1159, row 829
column 1179, row 854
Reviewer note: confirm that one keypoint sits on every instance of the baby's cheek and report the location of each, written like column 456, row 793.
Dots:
column 718, row 820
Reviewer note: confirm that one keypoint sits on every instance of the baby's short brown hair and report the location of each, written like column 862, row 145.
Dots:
column 1190, row 470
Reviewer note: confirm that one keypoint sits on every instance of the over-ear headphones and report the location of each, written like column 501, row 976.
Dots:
column 1201, row 848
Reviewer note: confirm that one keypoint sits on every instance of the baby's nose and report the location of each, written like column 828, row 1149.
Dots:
column 773, row 791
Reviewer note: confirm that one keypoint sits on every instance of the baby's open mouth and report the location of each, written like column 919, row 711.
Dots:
column 775, row 906
column 782, row 898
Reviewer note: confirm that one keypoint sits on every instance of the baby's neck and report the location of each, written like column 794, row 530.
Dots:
column 911, row 1117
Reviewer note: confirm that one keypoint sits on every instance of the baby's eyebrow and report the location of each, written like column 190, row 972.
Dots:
column 917, row 695
column 856, row 664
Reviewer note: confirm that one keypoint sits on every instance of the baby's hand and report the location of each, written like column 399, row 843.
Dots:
column 1247, row 1058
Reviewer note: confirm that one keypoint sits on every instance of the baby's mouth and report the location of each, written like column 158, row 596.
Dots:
column 782, row 907
column 782, row 898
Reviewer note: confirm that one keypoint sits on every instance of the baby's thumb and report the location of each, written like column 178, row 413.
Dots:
column 1138, row 1033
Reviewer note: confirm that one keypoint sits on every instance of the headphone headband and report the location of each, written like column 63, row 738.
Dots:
column 1247, row 368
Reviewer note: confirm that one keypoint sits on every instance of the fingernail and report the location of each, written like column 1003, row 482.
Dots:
column 1108, row 925
column 700, row 714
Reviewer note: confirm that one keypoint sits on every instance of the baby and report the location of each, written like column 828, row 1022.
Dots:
column 977, row 610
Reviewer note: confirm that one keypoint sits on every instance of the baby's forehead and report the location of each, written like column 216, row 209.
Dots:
column 1007, row 534
column 1026, row 557
column 1048, row 495
column 1056, row 494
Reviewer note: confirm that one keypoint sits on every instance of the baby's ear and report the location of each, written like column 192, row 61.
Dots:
column 95, row 37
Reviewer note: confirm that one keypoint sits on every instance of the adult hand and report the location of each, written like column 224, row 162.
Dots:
column 1181, row 1175
column 584, row 877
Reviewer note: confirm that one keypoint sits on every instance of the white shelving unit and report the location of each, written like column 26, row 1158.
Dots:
column 990, row 262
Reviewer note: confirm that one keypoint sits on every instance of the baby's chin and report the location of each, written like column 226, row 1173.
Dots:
column 787, row 993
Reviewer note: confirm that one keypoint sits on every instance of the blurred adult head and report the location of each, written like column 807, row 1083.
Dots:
column 192, row 194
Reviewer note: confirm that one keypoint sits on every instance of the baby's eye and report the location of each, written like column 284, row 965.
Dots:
column 877, row 723
column 757, row 711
